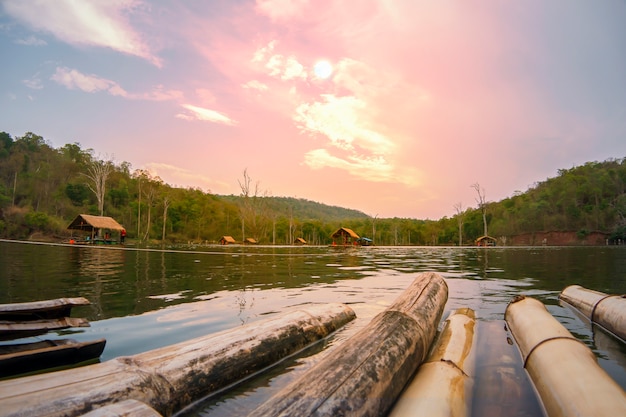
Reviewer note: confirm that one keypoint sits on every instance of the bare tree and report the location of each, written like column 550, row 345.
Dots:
column 252, row 210
column 98, row 171
column 459, row 218
column 482, row 204
column 166, row 205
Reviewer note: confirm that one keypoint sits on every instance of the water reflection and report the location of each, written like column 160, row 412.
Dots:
column 143, row 299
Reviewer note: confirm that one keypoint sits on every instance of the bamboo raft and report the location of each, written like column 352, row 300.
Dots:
column 399, row 365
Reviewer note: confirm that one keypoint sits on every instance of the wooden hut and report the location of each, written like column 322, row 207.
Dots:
column 94, row 225
column 345, row 236
column 250, row 241
column 225, row 240
column 486, row 241
column 299, row 241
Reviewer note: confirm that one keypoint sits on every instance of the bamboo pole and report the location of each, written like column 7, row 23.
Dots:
column 364, row 376
column 564, row 371
column 443, row 384
column 169, row 378
column 608, row 311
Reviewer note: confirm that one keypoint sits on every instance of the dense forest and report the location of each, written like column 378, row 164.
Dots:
column 42, row 189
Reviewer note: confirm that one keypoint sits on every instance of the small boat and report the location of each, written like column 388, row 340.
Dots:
column 38, row 310
column 22, row 358
column 10, row 329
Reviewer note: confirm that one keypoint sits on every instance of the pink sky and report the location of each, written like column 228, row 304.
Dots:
column 423, row 98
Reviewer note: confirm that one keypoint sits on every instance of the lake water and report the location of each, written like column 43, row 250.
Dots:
column 148, row 298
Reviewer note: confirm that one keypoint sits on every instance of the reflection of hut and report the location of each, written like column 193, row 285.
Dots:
column 346, row 236
column 486, row 241
column 94, row 225
column 225, row 240
column 299, row 241
column 250, row 241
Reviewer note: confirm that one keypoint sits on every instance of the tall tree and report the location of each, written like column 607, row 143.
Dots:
column 98, row 171
column 458, row 207
column 482, row 204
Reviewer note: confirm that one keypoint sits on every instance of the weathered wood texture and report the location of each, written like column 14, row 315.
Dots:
column 443, row 384
column 23, row 358
column 364, row 376
column 14, row 329
column 564, row 371
column 172, row 377
column 126, row 408
column 609, row 311
column 36, row 310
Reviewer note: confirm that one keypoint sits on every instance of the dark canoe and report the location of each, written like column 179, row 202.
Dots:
column 38, row 310
column 22, row 358
column 16, row 329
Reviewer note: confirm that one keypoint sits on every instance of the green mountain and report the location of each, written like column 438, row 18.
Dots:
column 42, row 189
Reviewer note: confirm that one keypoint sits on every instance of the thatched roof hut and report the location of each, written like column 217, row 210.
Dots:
column 93, row 224
column 225, row 240
column 299, row 241
column 486, row 241
column 250, row 241
column 347, row 236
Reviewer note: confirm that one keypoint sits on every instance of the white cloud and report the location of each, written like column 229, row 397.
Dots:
column 34, row 83
column 74, row 79
column 255, row 85
column 92, row 23
column 344, row 121
column 200, row 113
column 174, row 175
column 281, row 9
column 31, row 41
column 376, row 169
column 90, row 83
column 279, row 66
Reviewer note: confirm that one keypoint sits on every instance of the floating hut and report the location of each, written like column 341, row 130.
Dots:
column 346, row 237
column 299, row 241
column 486, row 241
column 250, row 241
column 94, row 225
column 226, row 240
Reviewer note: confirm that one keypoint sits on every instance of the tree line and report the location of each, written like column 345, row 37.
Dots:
column 42, row 189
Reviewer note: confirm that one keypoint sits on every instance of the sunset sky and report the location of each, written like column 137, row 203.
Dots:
column 391, row 107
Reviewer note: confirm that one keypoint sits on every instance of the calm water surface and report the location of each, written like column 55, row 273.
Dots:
column 147, row 298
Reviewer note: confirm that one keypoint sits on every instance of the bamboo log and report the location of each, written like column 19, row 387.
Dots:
column 608, row 311
column 564, row 371
column 172, row 377
column 443, row 384
column 364, row 376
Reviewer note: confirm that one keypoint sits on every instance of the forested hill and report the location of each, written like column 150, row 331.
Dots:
column 42, row 189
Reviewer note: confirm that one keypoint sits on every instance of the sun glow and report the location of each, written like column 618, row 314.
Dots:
column 323, row 69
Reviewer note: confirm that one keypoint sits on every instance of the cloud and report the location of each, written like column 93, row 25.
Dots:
column 279, row 66
column 375, row 169
column 34, row 83
column 174, row 175
column 90, row 83
column 344, row 121
column 73, row 79
column 92, row 23
column 200, row 113
column 281, row 9
column 31, row 41
column 255, row 85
